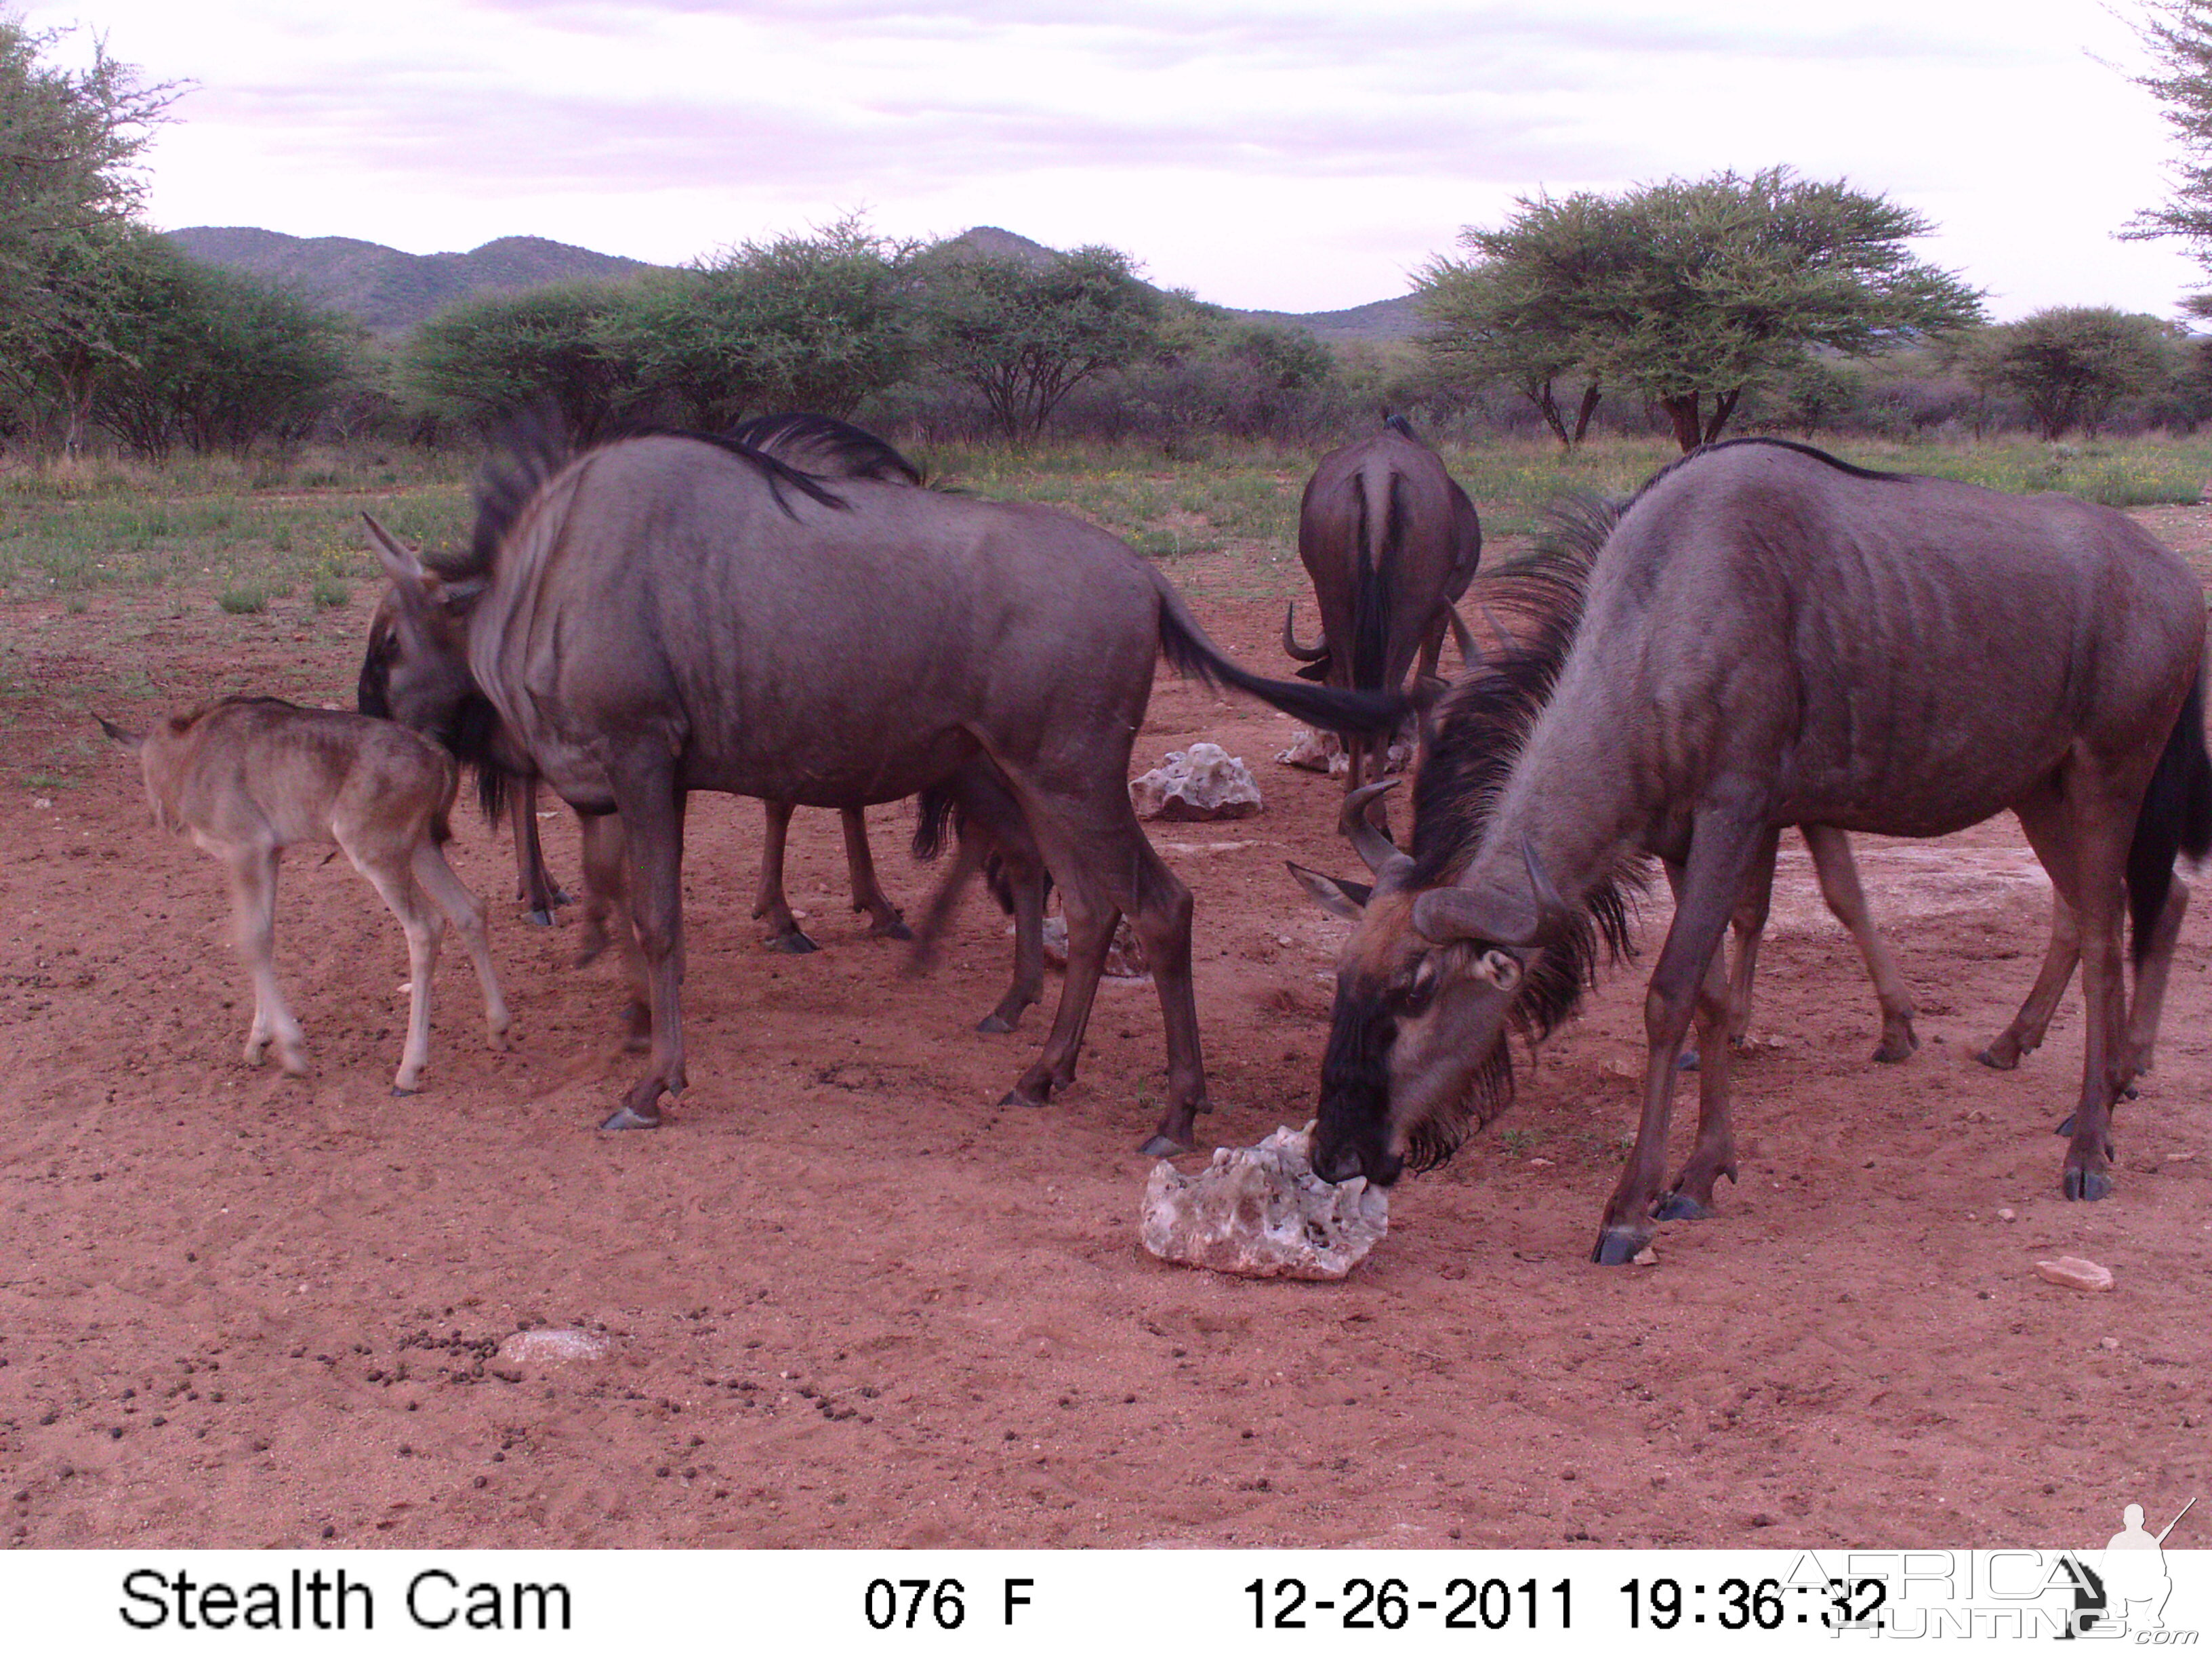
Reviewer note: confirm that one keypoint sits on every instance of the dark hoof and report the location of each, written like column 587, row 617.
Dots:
column 1998, row 1062
column 893, row 930
column 1618, row 1246
column 402, row 1094
column 625, row 1118
column 1161, row 1146
column 1893, row 1053
column 994, row 1023
column 2131, row 1093
column 2087, row 1185
column 1679, row 1207
column 1015, row 1098
column 2065, row 1126
column 1688, row 1061
column 541, row 918
column 792, row 944
column 561, row 897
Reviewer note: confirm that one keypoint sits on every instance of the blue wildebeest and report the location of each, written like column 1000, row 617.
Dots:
column 1770, row 636
column 676, row 612
column 1390, row 542
column 250, row 776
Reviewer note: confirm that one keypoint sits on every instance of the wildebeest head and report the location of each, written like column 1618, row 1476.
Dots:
column 417, row 668
column 1463, row 940
column 1427, row 988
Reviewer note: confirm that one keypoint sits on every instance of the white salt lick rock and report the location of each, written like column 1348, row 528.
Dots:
column 1194, row 785
column 2076, row 1274
column 1261, row 1212
column 553, row 1347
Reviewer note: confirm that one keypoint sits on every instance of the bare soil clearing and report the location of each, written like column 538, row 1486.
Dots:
column 848, row 1300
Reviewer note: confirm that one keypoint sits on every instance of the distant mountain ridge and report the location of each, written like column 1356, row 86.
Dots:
column 391, row 291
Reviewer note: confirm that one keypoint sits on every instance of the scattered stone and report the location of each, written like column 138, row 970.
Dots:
column 1200, row 783
column 544, row 1347
column 2181, row 1158
column 1323, row 751
column 1646, row 1257
column 1540, row 1163
column 1125, row 957
column 2109, row 1344
column 1261, row 1212
column 2076, row 1273
column 2006, row 1215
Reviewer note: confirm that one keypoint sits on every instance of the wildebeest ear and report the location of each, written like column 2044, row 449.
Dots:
column 1347, row 899
column 130, row 741
column 397, row 559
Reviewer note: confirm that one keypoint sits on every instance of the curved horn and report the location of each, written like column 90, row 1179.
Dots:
column 1375, row 848
column 1506, row 640
column 1553, row 912
column 1470, row 653
column 1303, row 652
column 1445, row 914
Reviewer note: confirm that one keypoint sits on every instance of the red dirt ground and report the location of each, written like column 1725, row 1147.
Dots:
column 853, row 1302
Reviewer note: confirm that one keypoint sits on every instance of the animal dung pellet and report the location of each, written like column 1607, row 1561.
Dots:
column 1261, row 1212
column 1202, row 782
column 544, row 1347
column 2076, row 1274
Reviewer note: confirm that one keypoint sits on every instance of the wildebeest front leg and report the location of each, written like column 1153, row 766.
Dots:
column 1691, row 1198
column 1162, row 919
column 784, row 932
column 1840, row 885
column 1722, row 849
column 395, row 882
column 651, row 809
column 1748, row 923
column 867, row 891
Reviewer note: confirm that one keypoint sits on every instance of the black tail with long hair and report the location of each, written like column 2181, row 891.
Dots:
column 2176, row 817
column 1189, row 651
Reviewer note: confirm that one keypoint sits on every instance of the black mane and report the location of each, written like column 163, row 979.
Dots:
column 531, row 450
column 1473, row 741
column 1791, row 444
column 825, row 446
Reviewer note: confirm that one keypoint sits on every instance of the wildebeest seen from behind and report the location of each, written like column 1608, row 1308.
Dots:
column 1772, row 637
column 671, row 613
column 1390, row 542
column 251, row 776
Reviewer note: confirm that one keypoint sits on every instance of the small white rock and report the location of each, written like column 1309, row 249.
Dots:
column 553, row 1347
column 1125, row 957
column 1540, row 1163
column 2006, row 1215
column 2076, row 1273
column 2109, row 1344
column 1261, row 1212
column 1646, row 1257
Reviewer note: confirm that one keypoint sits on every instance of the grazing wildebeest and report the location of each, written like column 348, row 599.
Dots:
column 676, row 612
column 1770, row 637
column 251, row 776
column 1390, row 542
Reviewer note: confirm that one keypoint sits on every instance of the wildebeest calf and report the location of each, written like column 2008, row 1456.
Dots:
column 250, row 776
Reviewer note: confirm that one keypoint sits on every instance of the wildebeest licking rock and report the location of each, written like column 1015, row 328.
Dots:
column 675, row 612
column 1772, row 637
column 1261, row 1213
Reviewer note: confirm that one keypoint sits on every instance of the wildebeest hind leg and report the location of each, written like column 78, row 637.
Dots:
column 784, row 933
column 1840, row 885
column 2025, row 1034
column 2149, row 999
column 867, row 891
column 652, row 808
column 1091, row 925
column 253, row 904
column 1161, row 915
column 2085, row 831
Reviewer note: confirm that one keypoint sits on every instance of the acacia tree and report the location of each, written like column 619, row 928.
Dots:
column 484, row 359
column 1501, row 315
column 1023, row 335
column 2178, row 34
column 2072, row 363
column 68, row 140
column 818, row 322
column 1692, row 292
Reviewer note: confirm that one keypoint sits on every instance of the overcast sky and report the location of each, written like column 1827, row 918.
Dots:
column 1294, row 154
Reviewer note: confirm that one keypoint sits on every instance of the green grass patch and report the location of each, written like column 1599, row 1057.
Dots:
column 250, row 601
